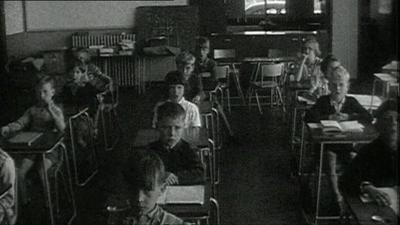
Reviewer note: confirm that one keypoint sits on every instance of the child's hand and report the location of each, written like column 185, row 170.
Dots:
column 196, row 99
column 339, row 116
column 381, row 198
column 172, row 179
column 5, row 131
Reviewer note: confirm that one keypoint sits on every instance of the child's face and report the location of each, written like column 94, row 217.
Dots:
column 309, row 51
column 147, row 199
column 187, row 68
column 171, row 130
column 176, row 92
column 338, row 88
column 204, row 49
column 388, row 128
column 77, row 74
column 45, row 93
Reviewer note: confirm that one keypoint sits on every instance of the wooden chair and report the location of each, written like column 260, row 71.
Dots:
column 270, row 79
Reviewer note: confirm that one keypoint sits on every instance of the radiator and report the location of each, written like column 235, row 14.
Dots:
column 120, row 68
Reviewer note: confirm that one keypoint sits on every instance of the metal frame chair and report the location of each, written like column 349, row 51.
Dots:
column 270, row 77
column 82, row 114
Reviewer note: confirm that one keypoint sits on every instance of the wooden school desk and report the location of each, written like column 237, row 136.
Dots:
column 48, row 142
column 362, row 212
column 316, row 136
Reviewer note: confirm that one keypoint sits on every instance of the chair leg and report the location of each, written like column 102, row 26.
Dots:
column 250, row 93
column 215, row 202
column 281, row 99
column 258, row 102
column 228, row 93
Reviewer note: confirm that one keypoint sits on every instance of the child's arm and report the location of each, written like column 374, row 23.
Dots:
column 17, row 125
column 200, row 95
column 194, row 169
column 299, row 74
column 57, row 115
column 358, row 112
column 319, row 111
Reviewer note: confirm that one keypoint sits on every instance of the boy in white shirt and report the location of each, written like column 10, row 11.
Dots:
column 175, row 82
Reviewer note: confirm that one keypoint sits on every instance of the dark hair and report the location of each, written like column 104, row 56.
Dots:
column 389, row 105
column 143, row 169
column 170, row 110
column 202, row 40
column 174, row 77
column 326, row 61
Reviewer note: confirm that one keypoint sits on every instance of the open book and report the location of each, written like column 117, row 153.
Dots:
column 332, row 126
column 27, row 138
column 392, row 192
column 182, row 195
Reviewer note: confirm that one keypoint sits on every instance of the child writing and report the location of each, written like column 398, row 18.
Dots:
column 43, row 117
column 337, row 106
column 176, row 88
column 181, row 160
column 145, row 175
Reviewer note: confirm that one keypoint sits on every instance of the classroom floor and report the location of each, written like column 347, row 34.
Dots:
column 256, row 184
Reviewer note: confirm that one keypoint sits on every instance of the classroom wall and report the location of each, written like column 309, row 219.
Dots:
column 57, row 35
column 345, row 21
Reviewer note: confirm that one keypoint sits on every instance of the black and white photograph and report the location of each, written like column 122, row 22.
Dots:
column 199, row 112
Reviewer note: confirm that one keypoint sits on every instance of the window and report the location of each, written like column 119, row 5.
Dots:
column 262, row 7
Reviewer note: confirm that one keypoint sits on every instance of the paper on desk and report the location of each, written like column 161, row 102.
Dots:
column 193, row 194
column 393, row 195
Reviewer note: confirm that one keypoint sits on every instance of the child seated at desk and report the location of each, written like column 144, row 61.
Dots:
column 43, row 117
column 7, row 189
column 337, row 106
column 205, row 67
column 182, row 162
column 176, row 88
column 94, row 75
column 309, row 67
column 376, row 164
column 146, row 178
column 193, row 84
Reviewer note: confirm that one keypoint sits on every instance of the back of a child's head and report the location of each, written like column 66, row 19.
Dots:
column 144, row 169
column 82, row 54
column 185, row 57
column 170, row 110
column 174, row 77
column 327, row 61
column 339, row 73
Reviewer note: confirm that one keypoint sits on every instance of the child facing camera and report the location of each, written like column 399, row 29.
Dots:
column 45, row 116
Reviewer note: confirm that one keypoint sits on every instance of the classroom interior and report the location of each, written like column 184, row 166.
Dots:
column 262, row 172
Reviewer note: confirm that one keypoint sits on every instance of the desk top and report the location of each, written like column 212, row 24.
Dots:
column 364, row 211
column 191, row 210
column 369, row 133
column 45, row 143
column 268, row 59
column 146, row 136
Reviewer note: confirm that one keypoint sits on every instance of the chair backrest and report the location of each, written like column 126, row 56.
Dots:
column 272, row 70
column 224, row 54
column 222, row 71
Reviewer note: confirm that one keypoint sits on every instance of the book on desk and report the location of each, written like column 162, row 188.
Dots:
column 25, row 138
column 333, row 126
column 193, row 194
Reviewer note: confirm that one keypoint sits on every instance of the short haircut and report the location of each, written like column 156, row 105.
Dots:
column 314, row 45
column 326, row 61
column 339, row 73
column 82, row 50
column 143, row 169
column 170, row 110
column 44, row 80
column 202, row 40
column 389, row 105
column 185, row 57
column 174, row 77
